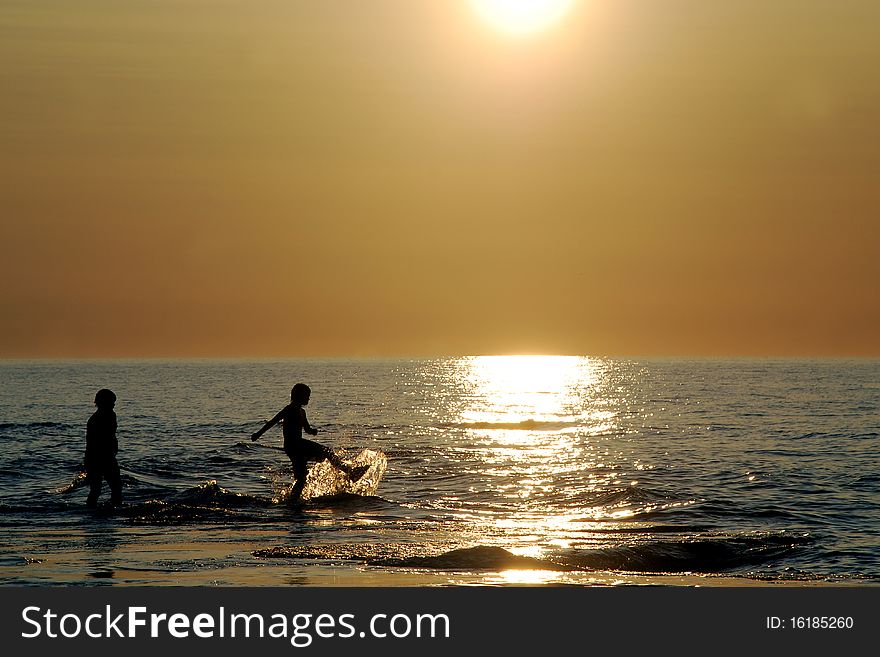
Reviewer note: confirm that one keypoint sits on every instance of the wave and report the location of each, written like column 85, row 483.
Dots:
column 836, row 436
column 242, row 447
column 34, row 425
column 525, row 425
column 211, row 494
column 130, row 480
column 156, row 512
column 634, row 503
column 209, row 501
column 704, row 555
column 629, row 495
column 347, row 502
column 65, row 489
column 650, row 529
column 152, row 499
column 30, row 511
column 475, row 558
column 866, row 482
column 206, row 502
column 724, row 510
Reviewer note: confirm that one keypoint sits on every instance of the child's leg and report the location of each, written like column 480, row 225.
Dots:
column 95, row 478
column 115, row 480
column 317, row 452
column 354, row 473
column 337, row 462
column 300, row 472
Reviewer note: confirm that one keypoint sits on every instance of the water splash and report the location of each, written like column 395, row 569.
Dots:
column 326, row 481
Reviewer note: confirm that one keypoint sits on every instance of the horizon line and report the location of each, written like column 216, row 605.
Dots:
column 166, row 358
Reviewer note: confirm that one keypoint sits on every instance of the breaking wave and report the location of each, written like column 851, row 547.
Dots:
column 678, row 556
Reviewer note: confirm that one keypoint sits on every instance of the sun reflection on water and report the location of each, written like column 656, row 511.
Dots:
column 550, row 464
column 538, row 436
column 527, row 577
column 531, row 392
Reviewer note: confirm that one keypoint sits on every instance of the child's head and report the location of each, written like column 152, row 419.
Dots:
column 105, row 398
column 300, row 394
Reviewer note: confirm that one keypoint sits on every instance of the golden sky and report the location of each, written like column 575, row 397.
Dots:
column 391, row 177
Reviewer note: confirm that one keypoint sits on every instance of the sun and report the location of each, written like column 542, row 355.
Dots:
column 522, row 16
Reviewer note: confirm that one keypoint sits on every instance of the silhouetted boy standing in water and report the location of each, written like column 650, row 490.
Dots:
column 101, row 448
column 298, row 449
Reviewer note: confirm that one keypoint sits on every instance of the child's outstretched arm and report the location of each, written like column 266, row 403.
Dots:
column 271, row 423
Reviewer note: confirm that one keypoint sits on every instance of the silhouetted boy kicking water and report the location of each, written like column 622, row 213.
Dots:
column 298, row 449
column 101, row 447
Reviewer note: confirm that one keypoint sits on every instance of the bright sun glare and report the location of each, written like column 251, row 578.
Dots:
column 522, row 16
column 517, row 389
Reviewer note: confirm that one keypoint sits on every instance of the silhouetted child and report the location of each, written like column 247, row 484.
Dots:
column 300, row 450
column 101, row 448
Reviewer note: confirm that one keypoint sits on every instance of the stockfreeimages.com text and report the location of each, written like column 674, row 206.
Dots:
column 301, row 628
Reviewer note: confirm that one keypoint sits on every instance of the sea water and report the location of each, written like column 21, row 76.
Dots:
column 499, row 470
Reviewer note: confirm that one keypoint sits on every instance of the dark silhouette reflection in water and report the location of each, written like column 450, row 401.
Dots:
column 100, row 542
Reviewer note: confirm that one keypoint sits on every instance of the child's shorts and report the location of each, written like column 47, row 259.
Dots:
column 304, row 451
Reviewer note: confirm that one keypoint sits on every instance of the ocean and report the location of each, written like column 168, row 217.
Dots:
column 519, row 470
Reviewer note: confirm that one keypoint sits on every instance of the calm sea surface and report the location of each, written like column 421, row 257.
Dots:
column 500, row 470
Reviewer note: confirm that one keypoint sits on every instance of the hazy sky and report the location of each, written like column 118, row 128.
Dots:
column 399, row 177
